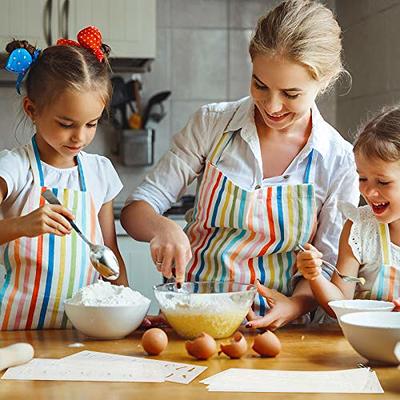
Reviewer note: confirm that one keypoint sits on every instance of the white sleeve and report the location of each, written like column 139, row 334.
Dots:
column 178, row 168
column 343, row 189
column 12, row 166
column 355, row 238
column 111, row 179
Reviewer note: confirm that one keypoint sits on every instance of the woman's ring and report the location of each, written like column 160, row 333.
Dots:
column 158, row 262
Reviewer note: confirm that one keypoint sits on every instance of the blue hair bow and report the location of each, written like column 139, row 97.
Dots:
column 19, row 62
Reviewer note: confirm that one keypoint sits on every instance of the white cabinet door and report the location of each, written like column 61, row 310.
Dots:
column 127, row 26
column 32, row 20
column 142, row 274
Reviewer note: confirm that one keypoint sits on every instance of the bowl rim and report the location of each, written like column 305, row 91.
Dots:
column 253, row 287
column 383, row 303
column 374, row 314
column 67, row 302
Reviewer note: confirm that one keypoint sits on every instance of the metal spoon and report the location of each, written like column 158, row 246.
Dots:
column 346, row 278
column 103, row 259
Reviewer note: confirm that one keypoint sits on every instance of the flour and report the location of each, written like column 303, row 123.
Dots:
column 204, row 303
column 103, row 293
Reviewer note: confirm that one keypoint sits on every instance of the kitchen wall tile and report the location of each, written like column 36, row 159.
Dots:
column 327, row 107
column 239, row 64
column 14, row 127
column 244, row 14
column 365, row 56
column 352, row 113
column 182, row 110
column 159, row 78
column 195, row 14
column 354, row 12
column 199, row 64
column 163, row 133
column 163, row 13
column 390, row 44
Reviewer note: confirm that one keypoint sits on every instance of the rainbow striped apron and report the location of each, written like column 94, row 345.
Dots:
column 239, row 235
column 386, row 285
column 43, row 271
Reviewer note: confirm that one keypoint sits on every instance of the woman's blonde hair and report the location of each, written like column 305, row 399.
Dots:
column 380, row 138
column 306, row 32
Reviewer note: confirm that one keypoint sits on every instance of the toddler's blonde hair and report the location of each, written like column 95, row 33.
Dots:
column 380, row 137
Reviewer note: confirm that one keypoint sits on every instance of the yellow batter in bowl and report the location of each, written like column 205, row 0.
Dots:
column 217, row 308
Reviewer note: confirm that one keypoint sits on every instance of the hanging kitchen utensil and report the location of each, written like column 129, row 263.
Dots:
column 154, row 101
column 118, row 103
column 135, row 120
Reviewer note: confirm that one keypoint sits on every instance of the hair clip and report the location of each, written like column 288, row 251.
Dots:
column 89, row 38
column 19, row 62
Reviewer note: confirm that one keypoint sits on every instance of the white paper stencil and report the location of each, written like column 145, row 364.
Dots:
column 173, row 372
column 360, row 380
column 82, row 370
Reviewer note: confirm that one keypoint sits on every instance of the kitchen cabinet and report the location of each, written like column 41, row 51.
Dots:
column 141, row 271
column 128, row 26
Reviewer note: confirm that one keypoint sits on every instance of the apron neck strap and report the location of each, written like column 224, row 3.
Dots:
column 384, row 236
column 226, row 137
column 37, row 169
column 306, row 178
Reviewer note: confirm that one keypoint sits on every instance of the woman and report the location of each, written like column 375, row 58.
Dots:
column 269, row 172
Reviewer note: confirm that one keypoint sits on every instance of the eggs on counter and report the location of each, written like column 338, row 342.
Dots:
column 154, row 341
column 203, row 347
column 267, row 344
column 236, row 348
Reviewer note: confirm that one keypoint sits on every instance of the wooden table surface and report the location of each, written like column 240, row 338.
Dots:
column 303, row 349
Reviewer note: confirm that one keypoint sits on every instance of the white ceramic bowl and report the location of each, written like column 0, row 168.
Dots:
column 107, row 322
column 373, row 335
column 342, row 307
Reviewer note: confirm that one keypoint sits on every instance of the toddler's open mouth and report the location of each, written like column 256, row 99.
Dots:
column 379, row 208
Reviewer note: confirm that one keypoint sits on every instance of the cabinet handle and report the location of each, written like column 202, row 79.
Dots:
column 47, row 21
column 65, row 19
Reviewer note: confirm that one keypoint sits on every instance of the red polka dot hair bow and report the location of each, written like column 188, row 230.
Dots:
column 90, row 38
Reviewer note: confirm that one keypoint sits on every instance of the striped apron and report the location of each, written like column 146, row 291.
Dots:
column 239, row 235
column 43, row 271
column 386, row 284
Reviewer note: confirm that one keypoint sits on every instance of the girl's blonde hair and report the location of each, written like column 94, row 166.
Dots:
column 61, row 67
column 304, row 31
column 380, row 138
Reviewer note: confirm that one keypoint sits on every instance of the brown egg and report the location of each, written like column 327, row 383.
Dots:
column 154, row 341
column 236, row 348
column 267, row 344
column 203, row 347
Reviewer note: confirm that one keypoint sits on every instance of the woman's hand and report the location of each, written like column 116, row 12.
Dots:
column 47, row 219
column 282, row 310
column 309, row 262
column 170, row 249
column 396, row 305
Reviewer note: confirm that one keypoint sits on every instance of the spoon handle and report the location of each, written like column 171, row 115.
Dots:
column 52, row 199
column 346, row 278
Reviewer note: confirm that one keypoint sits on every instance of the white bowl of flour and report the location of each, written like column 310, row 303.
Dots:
column 105, row 311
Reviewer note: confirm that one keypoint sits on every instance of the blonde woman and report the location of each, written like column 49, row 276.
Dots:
column 269, row 170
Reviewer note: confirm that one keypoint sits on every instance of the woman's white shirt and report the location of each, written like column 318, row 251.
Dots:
column 333, row 171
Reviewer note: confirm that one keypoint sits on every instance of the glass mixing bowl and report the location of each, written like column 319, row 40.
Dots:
column 217, row 308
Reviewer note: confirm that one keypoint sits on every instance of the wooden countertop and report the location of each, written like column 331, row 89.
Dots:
column 303, row 349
